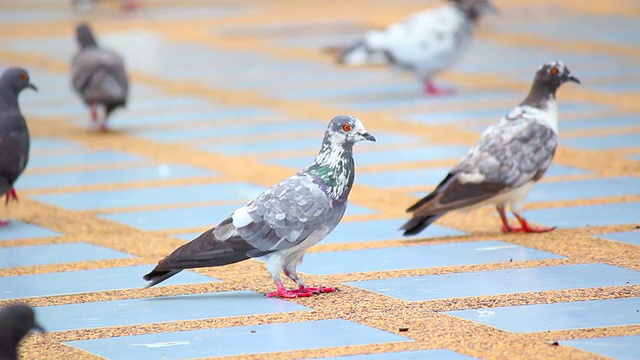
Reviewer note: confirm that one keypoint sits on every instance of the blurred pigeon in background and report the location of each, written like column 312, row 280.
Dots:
column 14, row 134
column 284, row 221
column 16, row 321
column 84, row 5
column 507, row 161
column 426, row 43
column 99, row 77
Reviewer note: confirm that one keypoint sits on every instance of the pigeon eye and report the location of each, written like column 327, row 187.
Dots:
column 23, row 77
column 554, row 71
column 346, row 127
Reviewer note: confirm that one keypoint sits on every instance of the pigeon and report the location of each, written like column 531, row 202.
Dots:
column 16, row 321
column 506, row 162
column 14, row 134
column 98, row 76
column 425, row 43
column 284, row 221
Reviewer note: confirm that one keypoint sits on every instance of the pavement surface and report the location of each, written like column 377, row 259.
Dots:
column 230, row 97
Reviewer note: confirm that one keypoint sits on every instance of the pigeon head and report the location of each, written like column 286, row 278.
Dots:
column 346, row 130
column 547, row 80
column 16, row 321
column 14, row 80
column 84, row 36
column 474, row 8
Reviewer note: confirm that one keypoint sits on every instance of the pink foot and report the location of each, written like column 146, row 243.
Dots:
column 10, row 195
column 507, row 229
column 313, row 290
column 434, row 90
column 128, row 5
column 528, row 229
column 93, row 113
column 4, row 223
column 286, row 294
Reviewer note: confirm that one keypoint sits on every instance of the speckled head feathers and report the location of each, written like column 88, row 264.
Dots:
column 346, row 129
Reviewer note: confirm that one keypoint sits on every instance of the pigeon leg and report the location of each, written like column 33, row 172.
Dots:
column 93, row 112
column 528, row 229
column 11, row 195
column 431, row 89
column 505, row 223
column 4, row 223
column 281, row 292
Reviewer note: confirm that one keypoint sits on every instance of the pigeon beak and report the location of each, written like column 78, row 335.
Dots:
column 573, row 79
column 39, row 328
column 368, row 136
column 32, row 87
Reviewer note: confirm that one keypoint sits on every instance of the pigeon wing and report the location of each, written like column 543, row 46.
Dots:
column 99, row 75
column 14, row 147
column 507, row 156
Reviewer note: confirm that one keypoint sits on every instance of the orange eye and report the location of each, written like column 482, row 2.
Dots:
column 23, row 77
column 554, row 71
column 346, row 127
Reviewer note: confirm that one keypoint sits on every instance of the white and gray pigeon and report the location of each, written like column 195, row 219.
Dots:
column 14, row 133
column 98, row 76
column 16, row 320
column 508, row 160
column 282, row 222
column 425, row 43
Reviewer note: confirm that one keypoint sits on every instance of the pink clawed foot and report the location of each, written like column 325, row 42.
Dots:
column 4, row 223
column 313, row 290
column 93, row 113
column 281, row 292
column 525, row 228
column 10, row 195
column 432, row 89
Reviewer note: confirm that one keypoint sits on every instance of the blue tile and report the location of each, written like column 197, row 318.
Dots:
column 617, row 347
column 608, row 122
column 635, row 157
column 440, row 354
column 457, row 116
column 86, row 281
column 379, row 230
column 161, row 309
column 413, row 257
column 418, row 99
column 111, row 176
column 590, row 215
column 20, row 230
column 254, row 147
column 56, row 254
column 500, row 282
column 558, row 316
column 180, row 194
column 607, row 142
column 202, row 216
column 424, row 153
column 185, row 134
column 235, row 340
column 97, row 157
column 629, row 237
column 564, row 170
column 584, row 189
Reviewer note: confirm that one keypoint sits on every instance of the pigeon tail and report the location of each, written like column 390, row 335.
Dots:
column 419, row 223
column 358, row 54
column 156, row 277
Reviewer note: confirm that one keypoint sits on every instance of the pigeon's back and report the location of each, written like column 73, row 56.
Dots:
column 98, row 75
column 14, row 146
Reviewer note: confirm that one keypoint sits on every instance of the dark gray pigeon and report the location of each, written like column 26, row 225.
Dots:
column 99, row 77
column 16, row 321
column 509, row 159
column 284, row 221
column 14, row 134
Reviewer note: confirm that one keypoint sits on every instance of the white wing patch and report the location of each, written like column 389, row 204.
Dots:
column 241, row 217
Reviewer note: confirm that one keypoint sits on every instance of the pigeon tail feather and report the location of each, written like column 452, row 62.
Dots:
column 358, row 54
column 419, row 223
column 157, row 277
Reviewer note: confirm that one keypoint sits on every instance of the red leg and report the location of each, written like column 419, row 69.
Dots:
column 10, row 195
column 505, row 223
column 128, row 5
column 4, row 223
column 431, row 89
column 528, row 229
column 93, row 112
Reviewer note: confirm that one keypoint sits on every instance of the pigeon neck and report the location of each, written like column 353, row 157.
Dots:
column 469, row 12
column 540, row 94
column 8, row 96
column 333, row 168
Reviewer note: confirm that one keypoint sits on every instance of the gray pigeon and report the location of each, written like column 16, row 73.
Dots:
column 98, row 76
column 284, row 221
column 425, row 43
column 509, row 159
column 16, row 321
column 14, row 134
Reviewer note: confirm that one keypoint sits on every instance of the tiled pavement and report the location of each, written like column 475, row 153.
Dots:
column 231, row 97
